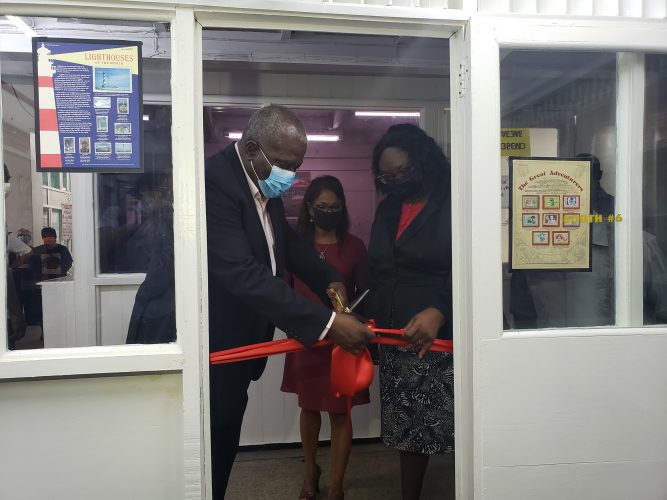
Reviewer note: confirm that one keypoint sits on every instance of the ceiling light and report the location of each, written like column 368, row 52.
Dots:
column 311, row 137
column 323, row 138
column 22, row 26
column 404, row 114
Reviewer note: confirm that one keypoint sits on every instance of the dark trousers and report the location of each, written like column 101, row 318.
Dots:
column 229, row 398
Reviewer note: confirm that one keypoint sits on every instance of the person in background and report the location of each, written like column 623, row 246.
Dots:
column 50, row 260
column 250, row 246
column 16, row 325
column 324, row 222
column 410, row 268
column 153, row 318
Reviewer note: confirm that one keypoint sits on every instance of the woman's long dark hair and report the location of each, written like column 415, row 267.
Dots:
column 424, row 155
column 305, row 225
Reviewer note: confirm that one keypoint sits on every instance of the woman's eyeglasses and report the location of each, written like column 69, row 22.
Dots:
column 403, row 175
column 328, row 208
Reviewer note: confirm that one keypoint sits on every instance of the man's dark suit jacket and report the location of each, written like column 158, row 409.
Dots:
column 246, row 300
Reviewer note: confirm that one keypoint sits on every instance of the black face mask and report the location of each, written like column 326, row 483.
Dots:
column 327, row 221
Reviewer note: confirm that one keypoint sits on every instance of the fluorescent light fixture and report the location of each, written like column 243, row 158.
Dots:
column 311, row 137
column 146, row 118
column 22, row 26
column 323, row 138
column 404, row 114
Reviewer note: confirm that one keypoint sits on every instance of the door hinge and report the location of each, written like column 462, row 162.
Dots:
column 463, row 79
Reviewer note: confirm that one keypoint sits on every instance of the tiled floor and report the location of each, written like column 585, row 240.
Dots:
column 373, row 473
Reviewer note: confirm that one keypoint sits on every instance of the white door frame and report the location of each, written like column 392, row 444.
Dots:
column 440, row 26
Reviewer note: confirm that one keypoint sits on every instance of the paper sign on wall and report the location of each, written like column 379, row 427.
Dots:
column 515, row 142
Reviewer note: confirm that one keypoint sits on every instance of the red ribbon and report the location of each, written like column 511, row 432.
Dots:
column 350, row 374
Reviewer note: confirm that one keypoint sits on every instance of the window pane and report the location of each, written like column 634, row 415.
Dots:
column 55, row 180
column 129, row 239
column 135, row 210
column 57, row 222
column 655, row 184
column 563, row 104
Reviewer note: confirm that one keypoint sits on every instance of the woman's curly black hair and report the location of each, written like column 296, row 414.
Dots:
column 431, row 164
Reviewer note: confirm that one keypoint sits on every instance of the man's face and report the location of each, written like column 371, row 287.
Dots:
column 49, row 241
column 286, row 152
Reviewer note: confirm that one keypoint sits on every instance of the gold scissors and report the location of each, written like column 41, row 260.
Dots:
column 354, row 304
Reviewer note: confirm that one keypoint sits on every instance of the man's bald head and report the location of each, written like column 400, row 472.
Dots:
column 273, row 123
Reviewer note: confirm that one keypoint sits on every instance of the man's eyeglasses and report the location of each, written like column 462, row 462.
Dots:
column 403, row 175
column 337, row 207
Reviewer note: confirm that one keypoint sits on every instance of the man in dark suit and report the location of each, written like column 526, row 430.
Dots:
column 250, row 246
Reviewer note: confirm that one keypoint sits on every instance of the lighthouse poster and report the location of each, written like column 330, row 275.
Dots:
column 89, row 102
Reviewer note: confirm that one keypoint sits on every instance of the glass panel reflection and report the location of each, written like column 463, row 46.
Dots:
column 566, row 102
column 655, row 184
column 80, row 246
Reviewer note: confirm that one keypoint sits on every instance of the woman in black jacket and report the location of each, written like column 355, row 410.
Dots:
column 409, row 259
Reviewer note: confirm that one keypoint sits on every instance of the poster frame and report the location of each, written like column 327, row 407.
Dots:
column 510, row 266
column 139, row 169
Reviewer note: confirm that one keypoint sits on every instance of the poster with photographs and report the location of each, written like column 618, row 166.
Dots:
column 549, row 207
column 90, row 107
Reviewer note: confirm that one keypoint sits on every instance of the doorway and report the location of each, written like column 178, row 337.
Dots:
column 347, row 90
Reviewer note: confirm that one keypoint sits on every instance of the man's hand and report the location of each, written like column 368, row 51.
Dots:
column 348, row 333
column 423, row 328
column 338, row 295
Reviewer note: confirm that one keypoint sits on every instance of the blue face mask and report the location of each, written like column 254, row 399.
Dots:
column 277, row 183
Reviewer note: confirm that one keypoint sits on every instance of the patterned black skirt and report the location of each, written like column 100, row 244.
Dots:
column 417, row 400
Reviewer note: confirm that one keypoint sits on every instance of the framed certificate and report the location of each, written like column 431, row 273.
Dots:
column 550, row 204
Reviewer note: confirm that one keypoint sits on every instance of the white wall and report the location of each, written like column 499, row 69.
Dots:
column 573, row 418
column 100, row 438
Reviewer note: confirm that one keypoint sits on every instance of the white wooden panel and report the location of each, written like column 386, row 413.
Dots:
column 606, row 7
column 553, row 7
column 524, row 6
column 571, row 399
column 58, row 308
column 601, row 481
column 115, row 310
column 104, row 438
column 494, row 5
column 610, row 8
column 655, row 9
column 580, row 7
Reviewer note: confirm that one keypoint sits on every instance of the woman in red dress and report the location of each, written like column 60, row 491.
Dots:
column 324, row 221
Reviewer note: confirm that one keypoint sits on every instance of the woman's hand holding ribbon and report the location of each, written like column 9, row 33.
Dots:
column 422, row 330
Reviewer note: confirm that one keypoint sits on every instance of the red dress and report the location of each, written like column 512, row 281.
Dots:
column 307, row 373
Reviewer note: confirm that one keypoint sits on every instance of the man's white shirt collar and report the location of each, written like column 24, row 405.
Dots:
column 254, row 190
